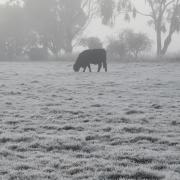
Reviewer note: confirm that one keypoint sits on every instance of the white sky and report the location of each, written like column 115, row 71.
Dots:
column 2, row 1
column 139, row 25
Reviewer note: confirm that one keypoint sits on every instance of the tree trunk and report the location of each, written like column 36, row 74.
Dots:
column 171, row 30
column 166, row 44
column 158, row 37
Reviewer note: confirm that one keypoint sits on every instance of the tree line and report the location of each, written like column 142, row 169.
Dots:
column 37, row 28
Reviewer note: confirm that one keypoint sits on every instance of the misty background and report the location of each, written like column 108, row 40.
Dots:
column 56, row 124
column 47, row 29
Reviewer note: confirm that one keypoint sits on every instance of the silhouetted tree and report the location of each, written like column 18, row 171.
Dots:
column 135, row 43
column 73, row 21
column 164, row 16
column 129, row 44
column 109, row 9
column 42, row 18
column 57, row 22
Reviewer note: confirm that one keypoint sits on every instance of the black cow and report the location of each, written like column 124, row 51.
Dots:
column 91, row 56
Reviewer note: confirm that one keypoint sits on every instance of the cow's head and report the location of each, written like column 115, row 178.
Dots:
column 76, row 67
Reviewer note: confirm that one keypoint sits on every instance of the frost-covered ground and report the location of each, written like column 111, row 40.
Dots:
column 57, row 124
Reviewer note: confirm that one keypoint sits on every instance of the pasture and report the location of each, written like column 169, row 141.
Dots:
column 56, row 124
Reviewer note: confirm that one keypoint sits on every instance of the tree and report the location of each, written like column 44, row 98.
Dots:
column 135, row 43
column 129, row 44
column 108, row 9
column 164, row 15
column 73, row 20
column 57, row 22
column 51, row 24
column 91, row 42
column 43, row 24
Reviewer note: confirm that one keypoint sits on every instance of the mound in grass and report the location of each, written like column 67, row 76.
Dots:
column 132, row 112
column 141, row 175
column 144, row 138
column 22, row 167
column 17, row 175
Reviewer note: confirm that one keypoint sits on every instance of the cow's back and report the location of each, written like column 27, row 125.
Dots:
column 93, row 56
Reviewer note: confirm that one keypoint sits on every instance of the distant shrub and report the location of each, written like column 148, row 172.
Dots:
column 38, row 54
column 129, row 45
column 117, row 50
column 136, row 43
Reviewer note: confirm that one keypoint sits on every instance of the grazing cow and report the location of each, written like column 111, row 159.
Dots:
column 91, row 56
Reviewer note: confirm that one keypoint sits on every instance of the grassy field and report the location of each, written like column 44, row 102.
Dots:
column 56, row 124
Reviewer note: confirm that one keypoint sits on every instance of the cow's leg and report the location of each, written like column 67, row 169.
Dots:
column 99, row 67
column 89, row 68
column 84, row 69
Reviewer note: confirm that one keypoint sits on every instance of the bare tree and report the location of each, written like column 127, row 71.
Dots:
column 164, row 15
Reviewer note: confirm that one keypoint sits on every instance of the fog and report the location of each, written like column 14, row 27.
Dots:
column 139, row 25
column 89, row 90
column 57, row 27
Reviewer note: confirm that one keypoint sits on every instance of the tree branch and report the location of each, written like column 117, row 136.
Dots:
column 169, row 3
column 141, row 13
column 166, row 5
column 171, row 30
column 153, row 10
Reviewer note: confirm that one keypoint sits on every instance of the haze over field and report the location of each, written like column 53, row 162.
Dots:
column 139, row 25
column 89, row 91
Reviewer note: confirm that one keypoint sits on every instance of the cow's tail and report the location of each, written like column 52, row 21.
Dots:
column 104, row 61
